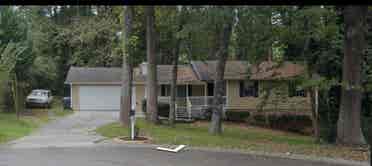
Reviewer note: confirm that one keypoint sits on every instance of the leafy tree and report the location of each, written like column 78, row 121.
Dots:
column 8, row 61
column 17, row 56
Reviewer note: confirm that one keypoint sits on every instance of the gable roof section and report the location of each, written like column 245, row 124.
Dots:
column 102, row 75
column 94, row 75
column 234, row 70
column 196, row 73
column 268, row 70
column 185, row 74
column 240, row 70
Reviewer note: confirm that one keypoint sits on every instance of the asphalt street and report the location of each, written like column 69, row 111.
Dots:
column 138, row 156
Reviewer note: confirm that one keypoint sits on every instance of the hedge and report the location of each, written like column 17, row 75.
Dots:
column 298, row 123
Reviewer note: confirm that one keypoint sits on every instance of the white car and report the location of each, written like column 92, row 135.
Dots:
column 39, row 97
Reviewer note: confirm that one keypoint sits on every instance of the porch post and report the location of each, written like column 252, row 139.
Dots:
column 227, row 93
column 188, row 106
column 71, row 95
column 205, row 94
column 187, row 92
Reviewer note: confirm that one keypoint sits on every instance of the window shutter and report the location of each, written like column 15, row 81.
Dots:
column 241, row 88
column 256, row 89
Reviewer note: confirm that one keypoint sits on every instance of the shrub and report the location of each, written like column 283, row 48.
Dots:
column 237, row 116
column 287, row 122
column 163, row 108
column 6, row 100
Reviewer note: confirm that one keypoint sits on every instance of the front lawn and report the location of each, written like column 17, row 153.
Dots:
column 235, row 136
column 11, row 128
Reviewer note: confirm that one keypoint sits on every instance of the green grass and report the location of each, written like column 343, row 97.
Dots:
column 11, row 128
column 235, row 136
column 56, row 108
column 197, row 134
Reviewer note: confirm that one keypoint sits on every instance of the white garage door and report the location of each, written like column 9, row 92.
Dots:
column 99, row 97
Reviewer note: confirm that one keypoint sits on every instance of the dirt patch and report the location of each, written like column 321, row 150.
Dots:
column 126, row 139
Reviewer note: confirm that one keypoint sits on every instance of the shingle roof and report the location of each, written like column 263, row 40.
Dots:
column 206, row 70
column 93, row 75
column 184, row 74
column 113, row 75
column 195, row 73
column 268, row 70
column 238, row 70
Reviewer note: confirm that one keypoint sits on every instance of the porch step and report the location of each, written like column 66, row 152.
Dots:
column 182, row 114
column 139, row 114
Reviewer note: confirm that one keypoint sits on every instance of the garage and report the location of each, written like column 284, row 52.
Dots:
column 96, row 89
column 99, row 97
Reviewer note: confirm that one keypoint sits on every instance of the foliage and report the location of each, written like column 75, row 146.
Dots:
column 283, row 121
column 237, row 116
column 163, row 108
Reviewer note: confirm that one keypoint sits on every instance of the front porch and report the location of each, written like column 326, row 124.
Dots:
column 192, row 100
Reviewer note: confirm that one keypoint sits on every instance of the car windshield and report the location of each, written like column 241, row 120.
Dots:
column 38, row 93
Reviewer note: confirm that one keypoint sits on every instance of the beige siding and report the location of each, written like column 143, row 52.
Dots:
column 140, row 95
column 75, row 97
column 274, row 102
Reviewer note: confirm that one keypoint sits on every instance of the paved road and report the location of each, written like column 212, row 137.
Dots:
column 73, row 130
column 110, row 155
column 70, row 141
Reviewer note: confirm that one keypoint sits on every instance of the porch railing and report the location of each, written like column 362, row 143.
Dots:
column 189, row 107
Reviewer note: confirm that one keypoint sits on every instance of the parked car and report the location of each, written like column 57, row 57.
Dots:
column 39, row 97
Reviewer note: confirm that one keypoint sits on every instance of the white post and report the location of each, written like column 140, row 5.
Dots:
column 205, row 94
column 71, row 95
column 132, row 121
column 188, row 108
column 227, row 93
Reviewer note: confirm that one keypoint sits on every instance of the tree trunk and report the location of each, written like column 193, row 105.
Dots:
column 151, row 81
column 172, row 109
column 315, row 113
column 15, row 91
column 127, row 73
column 217, row 108
column 349, row 123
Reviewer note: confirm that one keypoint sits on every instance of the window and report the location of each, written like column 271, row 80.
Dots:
column 210, row 89
column 248, row 88
column 293, row 91
column 165, row 90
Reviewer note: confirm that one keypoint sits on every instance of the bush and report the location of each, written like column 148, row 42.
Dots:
column 287, row 122
column 6, row 100
column 163, row 108
column 237, row 116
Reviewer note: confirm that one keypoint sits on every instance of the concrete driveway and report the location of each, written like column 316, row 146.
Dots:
column 73, row 130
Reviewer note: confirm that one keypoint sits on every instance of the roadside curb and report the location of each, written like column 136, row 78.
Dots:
column 255, row 153
column 285, row 156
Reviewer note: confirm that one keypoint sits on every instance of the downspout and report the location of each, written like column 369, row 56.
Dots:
column 71, row 96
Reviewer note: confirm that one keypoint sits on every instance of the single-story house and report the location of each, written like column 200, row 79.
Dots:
column 246, row 86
